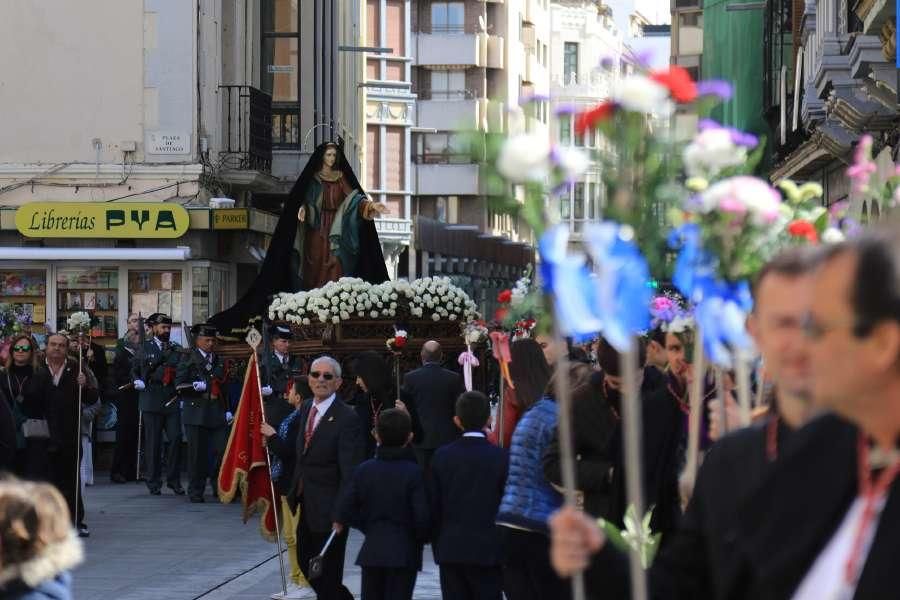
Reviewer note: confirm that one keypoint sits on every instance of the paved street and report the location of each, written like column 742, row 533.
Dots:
column 146, row 547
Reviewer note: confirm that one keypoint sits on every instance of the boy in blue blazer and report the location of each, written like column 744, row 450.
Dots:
column 465, row 487
column 387, row 501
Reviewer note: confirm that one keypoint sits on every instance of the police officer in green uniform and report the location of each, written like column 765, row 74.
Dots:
column 276, row 384
column 204, row 408
column 154, row 379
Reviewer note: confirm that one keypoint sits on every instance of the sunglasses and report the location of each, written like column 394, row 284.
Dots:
column 21, row 348
column 320, row 375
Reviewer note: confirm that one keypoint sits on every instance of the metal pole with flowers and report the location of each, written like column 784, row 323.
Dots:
column 396, row 345
column 78, row 324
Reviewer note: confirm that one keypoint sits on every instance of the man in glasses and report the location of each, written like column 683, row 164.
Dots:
column 329, row 446
column 827, row 522
column 701, row 558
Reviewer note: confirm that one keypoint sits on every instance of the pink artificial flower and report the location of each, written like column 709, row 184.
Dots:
column 862, row 168
column 732, row 205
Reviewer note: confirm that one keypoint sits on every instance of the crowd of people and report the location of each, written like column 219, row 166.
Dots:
column 796, row 505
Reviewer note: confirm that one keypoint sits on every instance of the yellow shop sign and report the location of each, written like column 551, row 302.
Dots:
column 102, row 220
column 230, row 218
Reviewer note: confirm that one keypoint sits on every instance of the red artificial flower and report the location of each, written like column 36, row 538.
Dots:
column 399, row 341
column 590, row 118
column 500, row 314
column 679, row 82
column 804, row 229
column 504, row 297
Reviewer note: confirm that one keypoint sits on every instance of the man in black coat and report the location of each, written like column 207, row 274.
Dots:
column 276, row 374
column 701, row 557
column 465, row 485
column 429, row 394
column 329, row 447
column 53, row 397
column 125, row 459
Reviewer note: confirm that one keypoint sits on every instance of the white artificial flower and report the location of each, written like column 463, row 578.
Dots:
column 374, row 314
column 572, row 161
column 524, row 157
column 833, row 235
column 711, row 151
column 305, row 321
column 344, row 316
column 335, row 320
column 639, row 93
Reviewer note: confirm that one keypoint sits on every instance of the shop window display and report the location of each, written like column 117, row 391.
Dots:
column 156, row 291
column 25, row 292
column 95, row 290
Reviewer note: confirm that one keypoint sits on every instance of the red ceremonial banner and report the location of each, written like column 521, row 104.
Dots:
column 244, row 463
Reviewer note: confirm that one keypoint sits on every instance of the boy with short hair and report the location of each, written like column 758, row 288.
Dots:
column 386, row 500
column 465, row 486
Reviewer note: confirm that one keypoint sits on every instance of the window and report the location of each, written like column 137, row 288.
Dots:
column 280, row 68
column 95, row 290
column 448, row 17
column 570, row 61
column 694, row 19
column 579, row 200
column 565, row 129
column 579, row 139
column 443, row 148
column 448, row 85
column 27, row 291
column 209, row 289
column 565, row 207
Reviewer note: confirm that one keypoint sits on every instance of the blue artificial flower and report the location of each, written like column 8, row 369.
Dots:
column 621, row 279
column 567, row 280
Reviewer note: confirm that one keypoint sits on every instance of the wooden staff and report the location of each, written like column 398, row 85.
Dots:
column 696, row 398
column 631, row 423
column 78, row 421
column 254, row 338
column 567, row 449
column 721, row 397
column 742, row 373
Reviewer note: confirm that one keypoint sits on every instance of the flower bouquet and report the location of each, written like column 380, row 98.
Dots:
column 398, row 342
column 79, row 323
column 14, row 319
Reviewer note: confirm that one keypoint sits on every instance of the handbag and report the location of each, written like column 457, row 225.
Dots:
column 36, row 429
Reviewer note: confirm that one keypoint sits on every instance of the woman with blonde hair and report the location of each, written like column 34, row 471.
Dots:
column 38, row 547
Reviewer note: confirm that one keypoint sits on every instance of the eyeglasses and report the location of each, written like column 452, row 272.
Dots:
column 320, row 375
column 816, row 330
column 21, row 348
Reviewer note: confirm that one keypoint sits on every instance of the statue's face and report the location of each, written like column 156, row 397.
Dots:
column 330, row 157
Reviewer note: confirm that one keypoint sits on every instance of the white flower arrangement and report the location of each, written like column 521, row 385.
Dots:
column 520, row 290
column 79, row 322
column 348, row 298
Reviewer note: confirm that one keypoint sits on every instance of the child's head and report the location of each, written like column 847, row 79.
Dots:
column 472, row 411
column 393, row 428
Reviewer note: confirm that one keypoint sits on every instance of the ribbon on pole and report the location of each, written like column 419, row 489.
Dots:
column 468, row 360
column 500, row 348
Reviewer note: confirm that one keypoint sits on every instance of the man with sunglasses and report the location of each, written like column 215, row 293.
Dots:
column 329, row 447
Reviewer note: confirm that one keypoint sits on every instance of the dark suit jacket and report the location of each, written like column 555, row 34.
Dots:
column 276, row 406
column 386, row 501
column 59, row 404
column 201, row 408
column 325, row 467
column 430, row 393
column 700, row 557
column 792, row 516
column 465, row 485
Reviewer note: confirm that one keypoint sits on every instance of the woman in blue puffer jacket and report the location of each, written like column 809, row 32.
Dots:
column 529, row 500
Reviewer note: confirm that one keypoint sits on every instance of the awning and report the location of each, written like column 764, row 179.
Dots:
column 99, row 254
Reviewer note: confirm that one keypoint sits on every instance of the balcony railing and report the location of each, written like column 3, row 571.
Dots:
column 247, row 143
column 448, row 28
column 442, row 158
column 446, row 94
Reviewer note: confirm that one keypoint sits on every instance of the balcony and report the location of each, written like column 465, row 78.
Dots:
column 592, row 86
column 451, row 114
column 447, row 179
column 247, row 134
column 449, row 49
column 393, row 229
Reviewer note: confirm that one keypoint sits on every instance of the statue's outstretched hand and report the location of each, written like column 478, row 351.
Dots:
column 380, row 208
column 301, row 214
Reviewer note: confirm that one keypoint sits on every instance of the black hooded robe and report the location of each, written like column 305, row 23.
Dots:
column 280, row 271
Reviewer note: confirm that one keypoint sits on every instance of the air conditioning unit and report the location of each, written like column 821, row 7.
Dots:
column 221, row 203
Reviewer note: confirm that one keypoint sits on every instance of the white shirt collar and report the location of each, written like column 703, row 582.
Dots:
column 202, row 353
column 323, row 406
column 279, row 355
column 158, row 342
column 474, row 434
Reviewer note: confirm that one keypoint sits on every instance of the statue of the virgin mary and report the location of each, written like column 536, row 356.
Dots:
column 325, row 232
